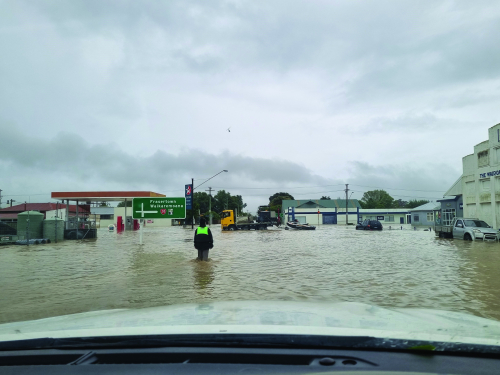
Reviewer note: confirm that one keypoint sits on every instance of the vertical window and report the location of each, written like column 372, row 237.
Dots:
column 416, row 218
column 430, row 216
column 448, row 215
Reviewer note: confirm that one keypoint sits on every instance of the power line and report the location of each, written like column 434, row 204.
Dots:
column 318, row 192
column 377, row 187
column 302, row 193
column 307, row 187
column 275, row 188
column 406, row 196
column 278, row 188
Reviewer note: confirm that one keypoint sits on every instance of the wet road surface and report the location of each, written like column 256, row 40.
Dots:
column 393, row 268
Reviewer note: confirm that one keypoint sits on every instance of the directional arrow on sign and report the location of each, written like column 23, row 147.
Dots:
column 142, row 212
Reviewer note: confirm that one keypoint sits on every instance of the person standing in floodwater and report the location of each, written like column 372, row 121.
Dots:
column 203, row 240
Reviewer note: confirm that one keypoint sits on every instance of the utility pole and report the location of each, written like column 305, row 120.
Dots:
column 210, row 204
column 1, row 198
column 346, row 204
column 27, row 227
column 192, row 203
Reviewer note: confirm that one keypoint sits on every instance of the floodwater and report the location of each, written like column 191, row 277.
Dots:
column 393, row 268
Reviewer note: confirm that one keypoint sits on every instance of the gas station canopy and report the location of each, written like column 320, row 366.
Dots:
column 103, row 196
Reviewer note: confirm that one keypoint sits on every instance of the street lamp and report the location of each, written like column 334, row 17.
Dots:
column 225, row 170
column 210, row 198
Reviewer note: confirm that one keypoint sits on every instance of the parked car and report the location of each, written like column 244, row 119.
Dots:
column 468, row 229
column 370, row 225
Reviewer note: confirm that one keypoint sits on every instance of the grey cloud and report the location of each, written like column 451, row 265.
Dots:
column 365, row 48
column 410, row 122
column 405, row 182
column 70, row 154
column 468, row 98
column 385, row 51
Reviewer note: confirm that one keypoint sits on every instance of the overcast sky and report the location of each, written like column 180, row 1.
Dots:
column 127, row 95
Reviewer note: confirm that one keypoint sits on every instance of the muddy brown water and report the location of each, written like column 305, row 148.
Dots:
column 393, row 268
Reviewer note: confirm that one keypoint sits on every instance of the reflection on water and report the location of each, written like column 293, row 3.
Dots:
column 393, row 268
column 203, row 274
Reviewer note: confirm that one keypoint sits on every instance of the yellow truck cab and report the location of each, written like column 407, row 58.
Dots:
column 227, row 220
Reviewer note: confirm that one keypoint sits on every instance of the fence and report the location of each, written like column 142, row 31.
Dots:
column 8, row 228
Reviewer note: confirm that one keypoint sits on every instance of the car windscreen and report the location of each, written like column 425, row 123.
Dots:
column 476, row 223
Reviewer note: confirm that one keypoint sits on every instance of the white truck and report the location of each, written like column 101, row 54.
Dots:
column 467, row 229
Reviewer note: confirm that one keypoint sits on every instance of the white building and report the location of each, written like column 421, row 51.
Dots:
column 387, row 216
column 480, row 181
column 318, row 212
column 321, row 211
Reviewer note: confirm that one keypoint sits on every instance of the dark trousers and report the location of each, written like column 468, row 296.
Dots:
column 203, row 255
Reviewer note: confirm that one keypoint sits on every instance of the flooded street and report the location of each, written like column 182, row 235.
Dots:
column 393, row 268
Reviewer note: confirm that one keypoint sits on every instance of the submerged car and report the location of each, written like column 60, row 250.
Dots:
column 370, row 225
column 473, row 229
column 469, row 229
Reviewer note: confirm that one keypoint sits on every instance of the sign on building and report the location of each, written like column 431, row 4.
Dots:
column 159, row 208
column 188, row 194
column 380, row 218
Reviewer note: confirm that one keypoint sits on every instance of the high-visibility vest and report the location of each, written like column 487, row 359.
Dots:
column 202, row 230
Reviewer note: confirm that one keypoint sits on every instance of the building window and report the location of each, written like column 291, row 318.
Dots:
column 448, row 215
column 483, row 159
column 430, row 216
column 107, row 217
column 416, row 218
column 389, row 219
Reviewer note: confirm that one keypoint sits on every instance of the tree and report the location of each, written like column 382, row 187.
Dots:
column 401, row 203
column 237, row 202
column 202, row 199
column 222, row 201
column 276, row 199
column 215, row 215
column 416, row 202
column 122, row 204
column 326, row 198
column 377, row 199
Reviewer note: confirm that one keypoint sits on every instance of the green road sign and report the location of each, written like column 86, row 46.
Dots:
column 159, row 208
